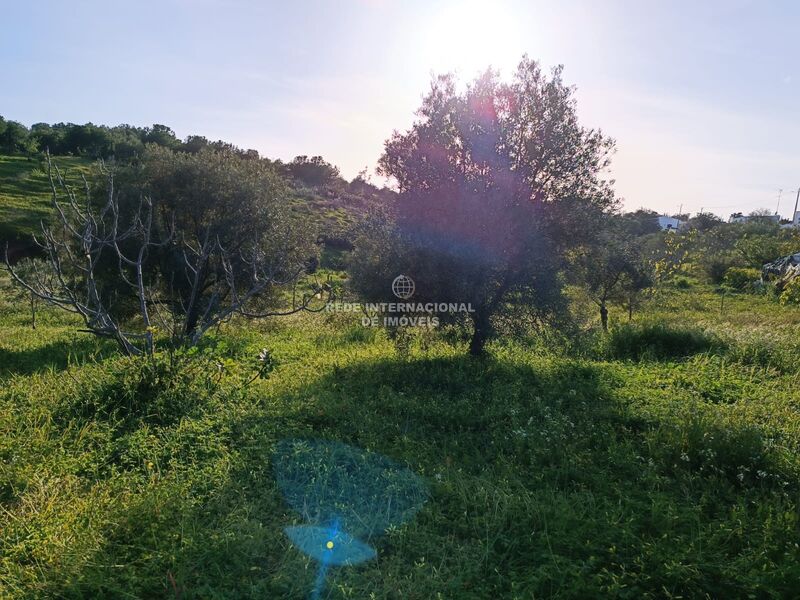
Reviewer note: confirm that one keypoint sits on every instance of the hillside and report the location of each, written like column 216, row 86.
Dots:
column 25, row 193
column 25, row 201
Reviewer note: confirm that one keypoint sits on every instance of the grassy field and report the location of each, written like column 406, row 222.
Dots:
column 661, row 461
column 25, row 196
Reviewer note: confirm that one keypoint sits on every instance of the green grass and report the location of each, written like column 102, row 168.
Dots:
column 25, row 195
column 551, row 475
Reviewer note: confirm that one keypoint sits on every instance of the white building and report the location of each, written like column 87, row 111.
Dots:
column 669, row 223
column 740, row 218
column 795, row 222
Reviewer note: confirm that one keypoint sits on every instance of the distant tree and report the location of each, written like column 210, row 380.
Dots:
column 314, row 171
column 221, row 146
column 14, row 137
column 704, row 221
column 641, row 222
column 493, row 184
column 161, row 135
column 88, row 140
column 194, row 144
column 761, row 212
column 121, row 142
column 361, row 184
column 127, row 142
column 48, row 138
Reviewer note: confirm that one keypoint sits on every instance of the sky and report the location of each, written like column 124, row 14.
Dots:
column 701, row 97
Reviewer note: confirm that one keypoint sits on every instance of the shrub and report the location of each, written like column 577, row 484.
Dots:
column 715, row 268
column 791, row 292
column 709, row 445
column 158, row 391
column 741, row 278
column 766, row 351
column 682, row 283
column 657, row 341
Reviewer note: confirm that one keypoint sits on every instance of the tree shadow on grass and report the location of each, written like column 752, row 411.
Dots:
column 536, row 491
column 432, row 415
column 56, row 355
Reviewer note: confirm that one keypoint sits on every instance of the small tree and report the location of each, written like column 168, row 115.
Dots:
column 637, row 282
column 223, row 199
column 27, row 268
column 641, row 222
column 182, row 281
column 613, row 268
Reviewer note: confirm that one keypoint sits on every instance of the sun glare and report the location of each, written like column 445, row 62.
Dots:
column 468, row 37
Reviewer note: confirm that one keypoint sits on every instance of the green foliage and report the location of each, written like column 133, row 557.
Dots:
column 716, row 267
column 14, row 137
column 657, row 341
column 237, row 199
column 791, row 292
column 757, row 249
column 741, row 279
column 314, row 171
column 682, row 283
column 122, row 142
column 234, row 207
column 613, row 267
column 669, row 253
column 641, row 222
column 705, row 443
column 704, row 221
column 157, row 391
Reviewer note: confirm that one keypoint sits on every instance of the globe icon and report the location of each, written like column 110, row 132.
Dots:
column 403, row 287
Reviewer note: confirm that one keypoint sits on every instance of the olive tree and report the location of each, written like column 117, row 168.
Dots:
column 495, row 182
column 612, row 267
column 187, row 241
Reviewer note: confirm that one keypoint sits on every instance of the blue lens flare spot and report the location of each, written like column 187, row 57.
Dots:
column 328, row 546
column 363, row 492
column 344, row 495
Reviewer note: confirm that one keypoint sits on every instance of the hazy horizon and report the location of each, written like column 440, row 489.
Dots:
column 699, row 98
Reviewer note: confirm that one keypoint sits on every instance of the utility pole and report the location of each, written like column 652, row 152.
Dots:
column 777, row 208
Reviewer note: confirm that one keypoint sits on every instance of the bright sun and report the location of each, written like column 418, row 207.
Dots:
column 469, row 36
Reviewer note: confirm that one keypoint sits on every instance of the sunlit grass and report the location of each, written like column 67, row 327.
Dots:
column 25, row 194
column 551, row 475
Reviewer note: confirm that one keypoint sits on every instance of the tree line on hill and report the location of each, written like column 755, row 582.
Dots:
column 127, row 143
